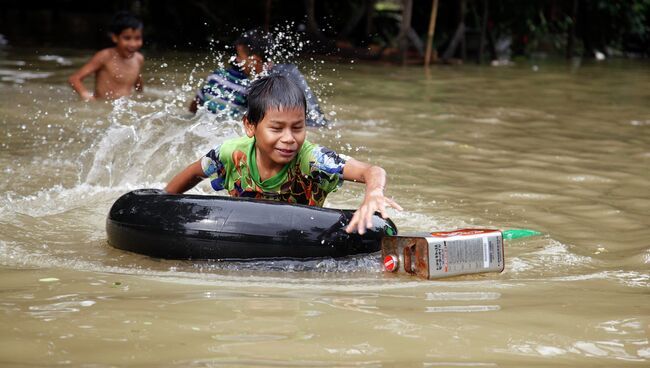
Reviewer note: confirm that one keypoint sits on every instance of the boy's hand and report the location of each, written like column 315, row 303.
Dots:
column 374, row 201
column 87, row 97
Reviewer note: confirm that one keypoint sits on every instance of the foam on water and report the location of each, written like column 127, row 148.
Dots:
column 20, row 77
column 55, row 58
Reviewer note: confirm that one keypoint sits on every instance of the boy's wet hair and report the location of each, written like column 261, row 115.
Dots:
column 124, row 20
column 275, row 91
column 256, row 41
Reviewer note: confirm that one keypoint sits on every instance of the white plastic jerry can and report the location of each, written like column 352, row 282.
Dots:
column 444, row 254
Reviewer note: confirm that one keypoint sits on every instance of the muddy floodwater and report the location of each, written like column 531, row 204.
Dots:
column 561, row 148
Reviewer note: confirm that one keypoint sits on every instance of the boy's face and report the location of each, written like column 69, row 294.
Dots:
column 128, row 42
column 249, row 63
column 278, row 137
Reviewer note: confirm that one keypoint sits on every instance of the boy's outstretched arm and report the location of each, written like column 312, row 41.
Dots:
column 374, row 199
column 186, row 179
column 91, row 67
column 139, row 84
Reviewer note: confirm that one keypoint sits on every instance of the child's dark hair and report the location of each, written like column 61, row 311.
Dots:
column 275, row 91
column 256, row 42
column 124, row 20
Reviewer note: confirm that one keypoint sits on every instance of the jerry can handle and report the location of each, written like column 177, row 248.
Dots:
column 408, row 260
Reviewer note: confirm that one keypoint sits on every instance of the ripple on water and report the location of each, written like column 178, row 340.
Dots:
column 444, row 296
column 553, row 258
column 632, row 349
column 57, row 200
column 55, row 58
column 491, row 121
column 463, row 309
column 52, row 311
column 249, row 337
column 20, row 77
column 587, row 178
column 529, row 195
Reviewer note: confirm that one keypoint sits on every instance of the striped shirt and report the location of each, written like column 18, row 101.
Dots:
column 224, row 93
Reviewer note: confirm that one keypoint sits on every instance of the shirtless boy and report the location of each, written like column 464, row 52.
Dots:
column 116, row 69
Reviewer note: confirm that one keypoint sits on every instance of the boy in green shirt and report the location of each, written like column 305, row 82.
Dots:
column 275, row 161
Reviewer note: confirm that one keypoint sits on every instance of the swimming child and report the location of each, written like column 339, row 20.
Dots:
column 224, row 90
column 275, row 161
column 117, row 69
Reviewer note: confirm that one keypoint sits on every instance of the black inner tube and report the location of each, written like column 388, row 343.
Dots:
column 198, row 227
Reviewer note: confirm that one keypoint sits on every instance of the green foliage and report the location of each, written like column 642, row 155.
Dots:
column 599, row 25
column 627, row 19
column 548, row 35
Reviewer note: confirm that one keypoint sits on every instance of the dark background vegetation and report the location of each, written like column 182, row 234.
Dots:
column 360, row 28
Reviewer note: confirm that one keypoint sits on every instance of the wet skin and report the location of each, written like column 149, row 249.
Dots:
column 116, row 69
column 278, row 138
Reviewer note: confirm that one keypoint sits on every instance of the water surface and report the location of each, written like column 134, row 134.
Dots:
column 560, row 148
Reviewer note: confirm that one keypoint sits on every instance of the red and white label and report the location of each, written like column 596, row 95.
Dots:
column 390, row 263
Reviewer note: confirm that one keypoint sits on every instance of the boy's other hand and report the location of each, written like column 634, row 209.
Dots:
column 374, row 201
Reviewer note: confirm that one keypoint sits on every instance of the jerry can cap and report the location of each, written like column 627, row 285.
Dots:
column 391, row 263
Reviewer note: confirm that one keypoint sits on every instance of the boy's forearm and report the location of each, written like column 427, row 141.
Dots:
column 91, row 67
column 375, row 178
column 139, row 84
column 75, row 83
column 186, row 179
column 179, row 186
column 374, row 199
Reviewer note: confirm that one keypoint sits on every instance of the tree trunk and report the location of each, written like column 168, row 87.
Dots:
column 459, row 36
column 407, row 11
column 267, row 15
column 353, row 20
column 453, row 45
column 481, row 45
column 463, row 40
column 432, row 29
column 312, row 24
column 571, row 33
column 370, row 11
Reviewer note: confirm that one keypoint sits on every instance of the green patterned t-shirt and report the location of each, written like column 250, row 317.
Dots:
column 314, row 173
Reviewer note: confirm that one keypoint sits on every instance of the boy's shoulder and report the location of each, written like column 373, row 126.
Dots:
column 105, row 54
column 139, row 57
column 322, row 158
column 228, row 146
column 244, row 139
column 111, row 52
